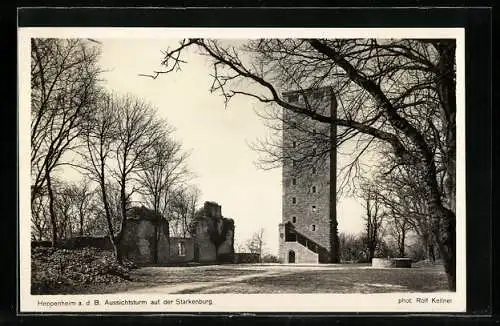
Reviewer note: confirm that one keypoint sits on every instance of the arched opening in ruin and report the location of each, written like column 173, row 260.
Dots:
column 181, row 249
column 291, row 257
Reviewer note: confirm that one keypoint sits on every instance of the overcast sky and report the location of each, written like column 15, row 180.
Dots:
column 218, row 138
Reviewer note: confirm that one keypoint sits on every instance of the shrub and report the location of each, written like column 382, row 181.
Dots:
column 64, row 270
column 351, row 248
column 268, row 258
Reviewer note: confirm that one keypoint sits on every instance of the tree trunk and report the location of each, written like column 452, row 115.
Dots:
column 109, row 221
column 81, row 221
column 402, row 244
column 447, row 97
column 371, row 252
column 157, row 229
column 70, row 227
column 443, row 227
column 52, row 213
column 123, row 206
column 81, row 227
column 430, row 252
column 156, row 240
column 443, row 222
column 447, row 93
column 447, row 245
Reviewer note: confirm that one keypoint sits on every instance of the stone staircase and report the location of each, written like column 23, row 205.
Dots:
column 293, row 235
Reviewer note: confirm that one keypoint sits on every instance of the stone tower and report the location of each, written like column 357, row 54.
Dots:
column 309, row 203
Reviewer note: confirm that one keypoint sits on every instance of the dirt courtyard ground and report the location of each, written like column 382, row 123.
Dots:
column 276, row 278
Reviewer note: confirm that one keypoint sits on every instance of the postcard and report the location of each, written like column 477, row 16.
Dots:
column 178, row 170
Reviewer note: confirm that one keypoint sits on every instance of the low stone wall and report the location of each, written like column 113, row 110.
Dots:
column 391, row 262
column 246, row 258
column 103, row 243
column 381, row 262
column 401, row 262
column 43, row 243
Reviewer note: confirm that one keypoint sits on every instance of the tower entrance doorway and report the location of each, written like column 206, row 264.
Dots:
column 291, row 257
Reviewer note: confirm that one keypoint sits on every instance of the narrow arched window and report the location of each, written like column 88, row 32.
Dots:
column 181, row 249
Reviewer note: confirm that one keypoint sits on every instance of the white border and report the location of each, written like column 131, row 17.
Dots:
column 387, row 302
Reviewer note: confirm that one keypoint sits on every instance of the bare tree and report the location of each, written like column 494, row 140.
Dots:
column 101, row 225
column 240, row 247
column 193, row 197
column 64, row 75
column 120, row 138
column 399, row 228
column 374, row 219
column 182, row 210
column 352, row 248
column 74, row 206
column 100, row 137
column 65, row 208
column 162, row 168
column 84, row 202
column 403, row 194
column 40, row 218
column 393, row 91
column 256, row 244
column 398, row 198
column 137, row 131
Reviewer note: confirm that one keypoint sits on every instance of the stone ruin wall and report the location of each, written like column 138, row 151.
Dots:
column 205, row 250
column 174, row 250
column 138, row 241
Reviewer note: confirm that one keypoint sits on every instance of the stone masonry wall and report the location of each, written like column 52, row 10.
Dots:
column 302, row 191
column 211, row 220
column 302, row 254
column 138, row 242
column 227, row 246
column 204, row 246
column 188, row 254
column 226, row 249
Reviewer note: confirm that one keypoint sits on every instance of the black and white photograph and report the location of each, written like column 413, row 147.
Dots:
column 201, row 169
